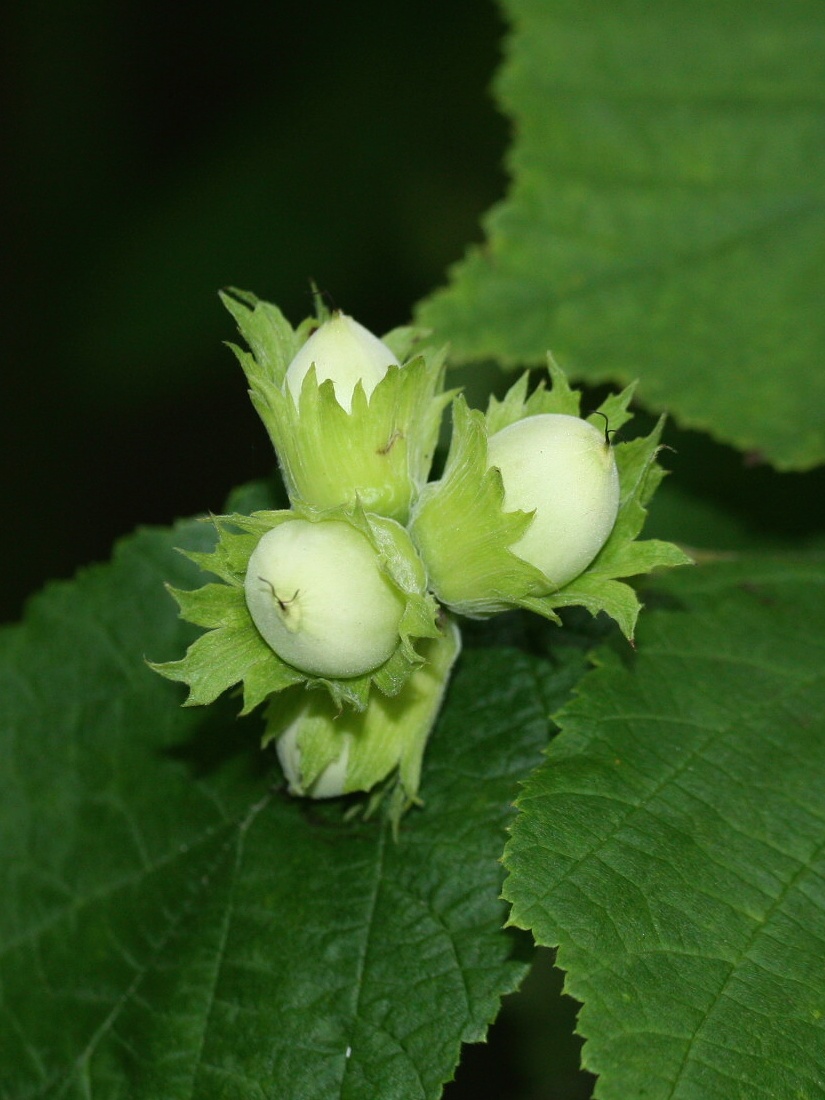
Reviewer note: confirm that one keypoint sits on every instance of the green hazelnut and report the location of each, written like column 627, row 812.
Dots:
column 325, row 752
column 320, row 600
column 563, row 470
column 330, row 782
column 345, row 351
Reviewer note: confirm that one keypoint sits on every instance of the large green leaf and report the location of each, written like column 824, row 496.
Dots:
column 673, row 843
column 174, row 925
column 665, row 219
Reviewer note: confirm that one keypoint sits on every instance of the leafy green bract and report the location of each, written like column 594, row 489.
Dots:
column 673, row 844
column 665, row 218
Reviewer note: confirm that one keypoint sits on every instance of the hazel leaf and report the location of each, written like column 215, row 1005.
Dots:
column 664, row 218
column 672, row 843
column 192, row 930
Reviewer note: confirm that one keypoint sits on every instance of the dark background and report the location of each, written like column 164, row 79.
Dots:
column 157, row 151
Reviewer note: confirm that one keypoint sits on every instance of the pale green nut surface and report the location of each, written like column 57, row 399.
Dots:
column 564, row 468
column 345, row 351
column 318, row 598
column 332, row 780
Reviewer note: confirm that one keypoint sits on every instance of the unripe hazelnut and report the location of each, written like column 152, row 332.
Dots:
column 332, row 780
column 561, row 468
column 345, row 351
column 318, row 597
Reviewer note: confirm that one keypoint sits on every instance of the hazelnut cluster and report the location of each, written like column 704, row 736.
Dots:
column 355, row 588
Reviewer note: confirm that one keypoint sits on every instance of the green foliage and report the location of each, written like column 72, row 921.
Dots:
column 174, row 925
column 672, row 843
column 664, row 220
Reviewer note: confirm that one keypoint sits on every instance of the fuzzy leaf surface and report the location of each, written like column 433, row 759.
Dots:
column 174, row 925
column 665, row 217
column 673, row 844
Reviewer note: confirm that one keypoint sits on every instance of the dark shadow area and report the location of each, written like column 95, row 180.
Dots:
column 219, row 736
column 718, row 498
column 532, row 1051
column 775, row 505
column 529, row 633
